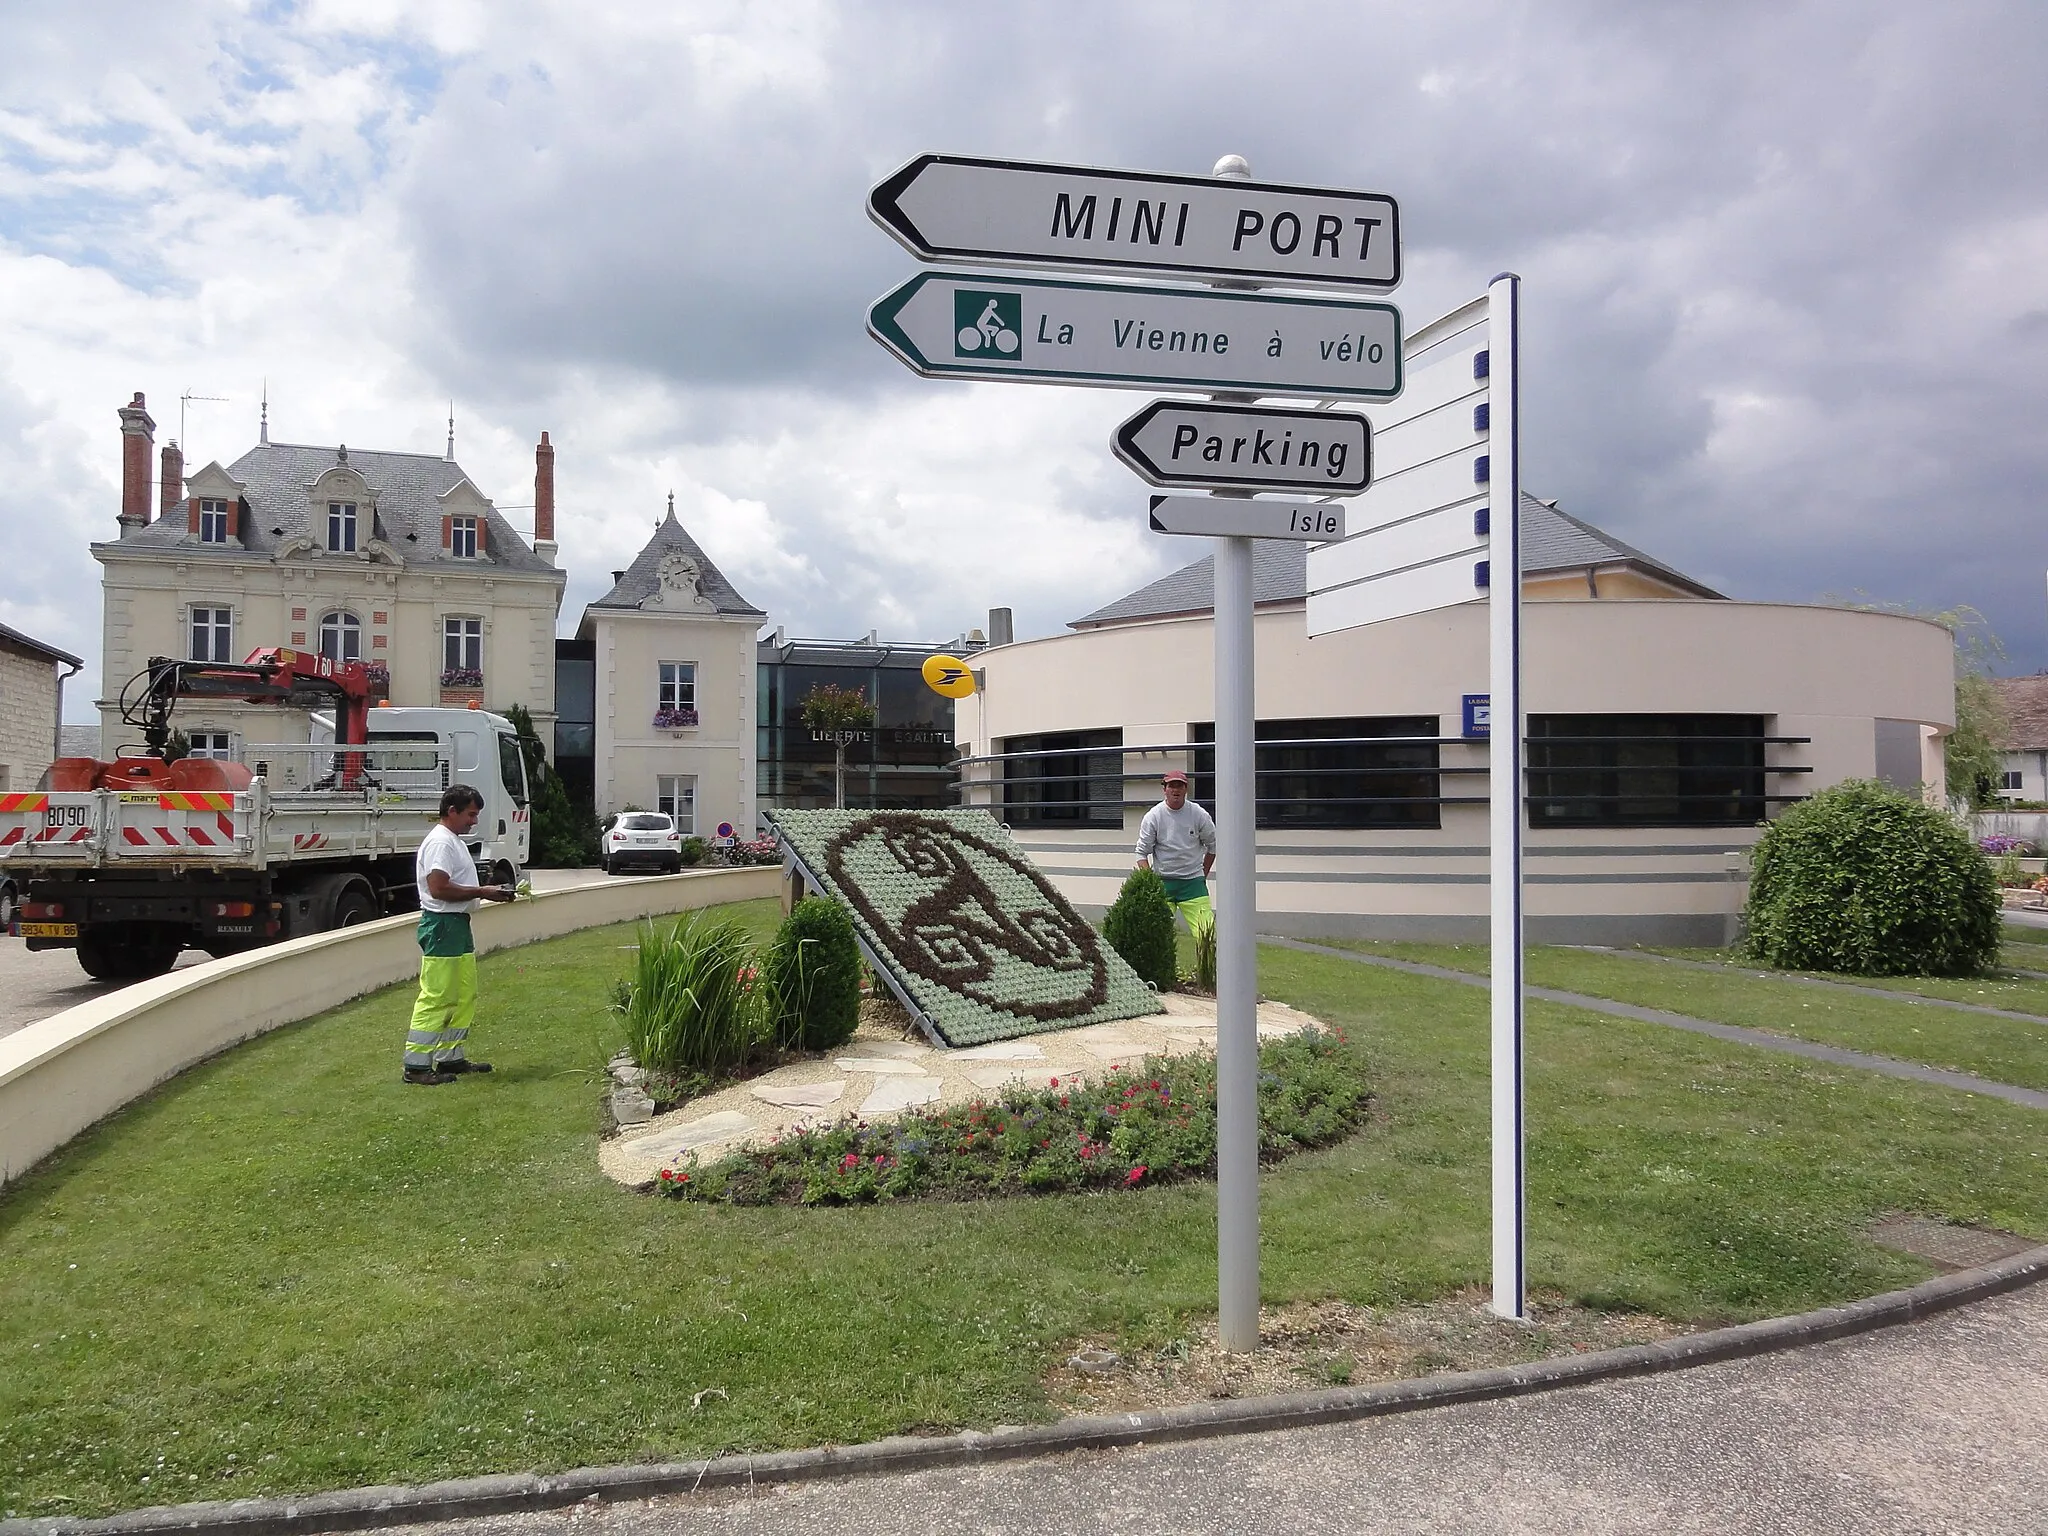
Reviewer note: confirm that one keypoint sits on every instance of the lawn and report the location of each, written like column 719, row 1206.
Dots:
column 2004, row 1050
column 284, row 1271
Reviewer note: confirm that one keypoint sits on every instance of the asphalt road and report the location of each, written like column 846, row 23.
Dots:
column 34, row 986
column 1933, row 1427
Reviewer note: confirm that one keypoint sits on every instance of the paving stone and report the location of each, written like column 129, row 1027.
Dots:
column 1114, row 1050
column 800, row 1095
column 694, row 1134
column 900, row 1093
column 880, row 1065
column 1002, row 1050
column 906, row 1049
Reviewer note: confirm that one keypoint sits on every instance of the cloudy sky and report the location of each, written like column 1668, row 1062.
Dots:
column 1786, row 270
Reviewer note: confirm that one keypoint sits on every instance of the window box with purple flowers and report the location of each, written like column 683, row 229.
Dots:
column 675, row 719
column 462, row 677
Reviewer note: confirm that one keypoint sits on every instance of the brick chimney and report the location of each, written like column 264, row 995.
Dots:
column 138, row 436
column 171, row 482
column 544, row 500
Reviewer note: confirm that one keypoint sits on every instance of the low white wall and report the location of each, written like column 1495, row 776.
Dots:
column 66, row 1072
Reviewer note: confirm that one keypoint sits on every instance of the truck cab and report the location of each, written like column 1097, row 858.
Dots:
column 456, row 746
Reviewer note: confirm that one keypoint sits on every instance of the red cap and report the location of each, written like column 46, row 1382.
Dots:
column 1173, row 776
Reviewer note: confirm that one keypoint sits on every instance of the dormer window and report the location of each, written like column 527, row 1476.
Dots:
column 462, row 537
column 341, row 527
column 213, row 522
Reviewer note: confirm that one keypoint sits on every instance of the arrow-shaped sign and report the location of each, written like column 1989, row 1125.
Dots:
column 1125, row 336
column 1318, row 522
column 1017, row 213
column 1247, row 447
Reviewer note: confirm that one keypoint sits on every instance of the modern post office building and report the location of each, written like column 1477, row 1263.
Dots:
column 1665, row 723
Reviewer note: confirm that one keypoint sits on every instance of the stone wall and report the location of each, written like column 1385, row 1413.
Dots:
column 28, row 718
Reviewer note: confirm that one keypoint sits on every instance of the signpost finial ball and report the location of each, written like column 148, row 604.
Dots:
column 1233, row 168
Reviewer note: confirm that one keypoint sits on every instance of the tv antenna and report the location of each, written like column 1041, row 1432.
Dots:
column 184, row 401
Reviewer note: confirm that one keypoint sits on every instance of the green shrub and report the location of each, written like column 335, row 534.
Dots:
column 695, row 850
column 1865, row 880
column 1153, row 1122
column 1140, row 928
column 690, row 1007
column 812, row 975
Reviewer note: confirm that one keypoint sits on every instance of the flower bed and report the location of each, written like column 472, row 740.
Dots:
column 1151, row 1123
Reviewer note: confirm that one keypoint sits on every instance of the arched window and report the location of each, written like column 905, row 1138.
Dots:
column 341, row 636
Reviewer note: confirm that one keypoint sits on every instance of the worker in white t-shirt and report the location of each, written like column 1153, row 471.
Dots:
column 1177, row 838
column 449, row 892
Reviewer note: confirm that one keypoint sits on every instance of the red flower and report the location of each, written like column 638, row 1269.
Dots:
column 1056, row 1083
column 1135, row 1174
column 666, row 1175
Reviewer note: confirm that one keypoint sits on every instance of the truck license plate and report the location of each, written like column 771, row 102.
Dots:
column 49, row 930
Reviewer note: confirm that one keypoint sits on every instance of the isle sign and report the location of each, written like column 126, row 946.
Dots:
column 1190, row 444
column 1125, row 336
column 1017, row 213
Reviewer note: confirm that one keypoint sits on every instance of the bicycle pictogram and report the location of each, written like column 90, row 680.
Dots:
column 988, row 322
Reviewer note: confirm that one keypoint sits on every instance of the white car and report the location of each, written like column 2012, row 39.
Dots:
column 646, row 838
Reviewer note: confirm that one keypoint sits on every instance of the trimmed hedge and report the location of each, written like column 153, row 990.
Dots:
column 1140, row 928
column 1867, row 881
column 813, row 973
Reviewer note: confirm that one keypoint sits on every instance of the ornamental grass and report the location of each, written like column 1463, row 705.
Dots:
column 1153, row 1122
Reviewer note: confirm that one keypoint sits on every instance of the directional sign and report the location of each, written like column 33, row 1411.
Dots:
column 1016, row 213
column 1247, row 447
column 1241, row 517
column 1420, row 533
column 1041, row 331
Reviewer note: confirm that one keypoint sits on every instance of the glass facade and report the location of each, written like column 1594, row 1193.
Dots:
column 1346, row 783
column 1646, row 770
column 1075, row 784
column 903, row 762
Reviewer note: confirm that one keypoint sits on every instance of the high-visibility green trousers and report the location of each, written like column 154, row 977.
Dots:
column 1190, row 898
column 446, row 1006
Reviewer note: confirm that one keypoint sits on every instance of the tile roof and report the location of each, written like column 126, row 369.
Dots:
column 409, row 486
column 2026, row 712
column 962, row 923
column 643, row 579
column 1552, row 541
column 16, row 639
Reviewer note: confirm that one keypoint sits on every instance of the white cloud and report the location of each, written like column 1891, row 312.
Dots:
column 1788, row 316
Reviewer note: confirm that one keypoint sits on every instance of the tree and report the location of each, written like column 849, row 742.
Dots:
column 1139, row 927
column 839, row 715
column 563, row 836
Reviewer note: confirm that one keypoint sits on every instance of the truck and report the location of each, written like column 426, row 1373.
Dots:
column 131, row 862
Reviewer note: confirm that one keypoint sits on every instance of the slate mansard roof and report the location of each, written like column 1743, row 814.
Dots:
column 2026, row 713
column 276, row 476
column 1552, row 541
column 642, row 578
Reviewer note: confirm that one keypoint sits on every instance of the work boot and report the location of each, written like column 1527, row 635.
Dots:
column 463, row 1064
column 426, row 1078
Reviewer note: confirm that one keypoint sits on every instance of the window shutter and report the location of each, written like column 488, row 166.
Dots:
column 447, row 528
column 192, row 514
column 235, row 518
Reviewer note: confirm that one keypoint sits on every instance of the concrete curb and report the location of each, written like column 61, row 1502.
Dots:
column 464, row 1498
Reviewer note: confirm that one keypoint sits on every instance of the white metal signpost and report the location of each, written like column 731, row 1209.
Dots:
column 1199, row 446
column 1442, row 526
column 1227, row 229
column 967, row 325
column 1016, row 213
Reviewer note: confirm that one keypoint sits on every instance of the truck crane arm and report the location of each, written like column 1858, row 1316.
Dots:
column 272, row 674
